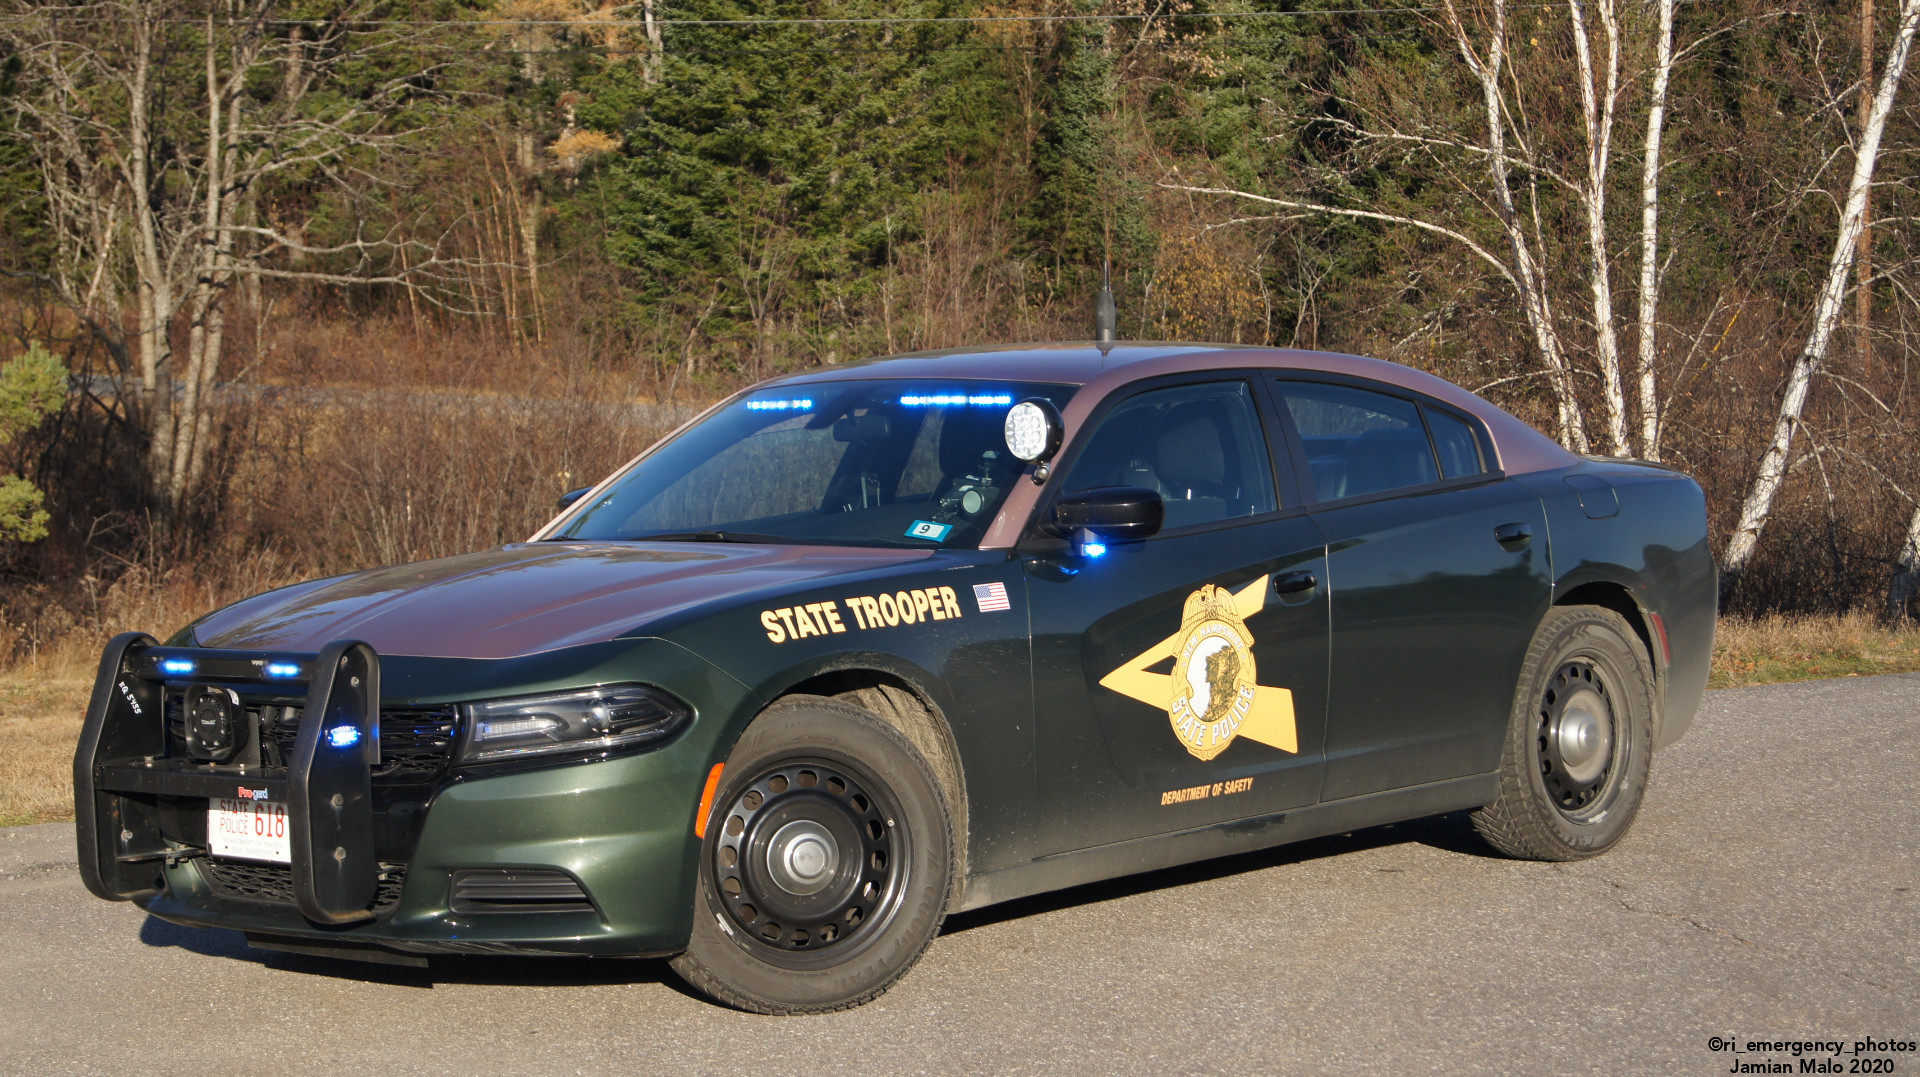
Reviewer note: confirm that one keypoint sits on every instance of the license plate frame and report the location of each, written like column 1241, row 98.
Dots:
column 245, row 829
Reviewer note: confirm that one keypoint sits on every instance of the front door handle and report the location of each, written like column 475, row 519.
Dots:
column 1292, row 583
column 1513, row 536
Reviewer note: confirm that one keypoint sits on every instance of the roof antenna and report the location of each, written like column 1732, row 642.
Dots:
column 1106, row 320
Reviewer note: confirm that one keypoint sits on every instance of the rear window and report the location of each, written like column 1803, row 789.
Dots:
column 1359, row 442
column 1453, row 438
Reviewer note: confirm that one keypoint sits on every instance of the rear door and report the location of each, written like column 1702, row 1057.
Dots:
column 1174, row 684
column 1439, row 572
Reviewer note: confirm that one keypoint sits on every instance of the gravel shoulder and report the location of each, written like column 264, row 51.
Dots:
column 1768, row 890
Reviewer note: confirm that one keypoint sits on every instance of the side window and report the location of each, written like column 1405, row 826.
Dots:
column 1201, row 447
column 1357, row 441
column 1459, row 449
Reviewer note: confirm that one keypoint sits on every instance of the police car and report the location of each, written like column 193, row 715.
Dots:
column 875, row 643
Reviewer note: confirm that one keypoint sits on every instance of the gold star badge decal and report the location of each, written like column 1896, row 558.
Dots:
column 1212, row 696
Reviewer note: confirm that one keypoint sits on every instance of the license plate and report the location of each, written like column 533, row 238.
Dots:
column 249, row 830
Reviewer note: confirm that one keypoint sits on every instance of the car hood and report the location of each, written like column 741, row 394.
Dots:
column 522, row 598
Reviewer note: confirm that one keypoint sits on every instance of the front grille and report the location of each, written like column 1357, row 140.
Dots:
column 516, row 890
column 415, row 742
column 252, row 881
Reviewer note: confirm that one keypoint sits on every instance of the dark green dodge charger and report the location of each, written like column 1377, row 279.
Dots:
column 868, row 645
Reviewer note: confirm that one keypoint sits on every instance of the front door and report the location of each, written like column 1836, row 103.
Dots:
column 1181, row 680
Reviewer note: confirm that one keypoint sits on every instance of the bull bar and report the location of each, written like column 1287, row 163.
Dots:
column 123, row 766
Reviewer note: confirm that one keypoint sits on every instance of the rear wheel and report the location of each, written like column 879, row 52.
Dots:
column 1580, row 741
column 826, row 863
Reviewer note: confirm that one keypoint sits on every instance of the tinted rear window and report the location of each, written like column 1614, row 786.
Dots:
column 1359, row 442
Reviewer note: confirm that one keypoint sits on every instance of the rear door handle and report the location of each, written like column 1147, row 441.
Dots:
column 1513, row 536
column 1292, row 583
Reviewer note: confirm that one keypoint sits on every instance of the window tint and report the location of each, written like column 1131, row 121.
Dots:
column 886, row 462
column 1359, row 442
column 1459, row 449
column 1200, row 447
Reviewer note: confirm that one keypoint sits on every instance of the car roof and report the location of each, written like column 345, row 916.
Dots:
column 1103, row 369
column 1065, row 362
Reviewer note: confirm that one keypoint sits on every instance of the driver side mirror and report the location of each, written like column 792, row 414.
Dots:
column 569, row 498
column 1107, row 514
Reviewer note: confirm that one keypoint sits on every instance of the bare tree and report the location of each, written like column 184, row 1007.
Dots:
column 1513, row 180
column 1648, row 342
column 158, row 178
column 1863, row 286
column 1774, row 461
column 1599, row 92
column 1906, row 572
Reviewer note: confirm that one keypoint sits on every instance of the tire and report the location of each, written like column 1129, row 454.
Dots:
column 1579, row 743
column 826, row 865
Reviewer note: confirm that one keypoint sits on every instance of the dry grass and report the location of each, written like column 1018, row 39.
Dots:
column 42, row 704
column 1770, row 650
column 40, row 718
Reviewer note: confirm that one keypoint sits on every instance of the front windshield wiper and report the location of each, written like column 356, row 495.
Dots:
column 720, row 536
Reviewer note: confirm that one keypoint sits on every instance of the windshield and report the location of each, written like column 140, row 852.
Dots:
column 856, row 463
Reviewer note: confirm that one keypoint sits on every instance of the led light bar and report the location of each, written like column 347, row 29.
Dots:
column 941, row 400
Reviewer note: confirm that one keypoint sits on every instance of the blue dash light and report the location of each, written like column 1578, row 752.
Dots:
column 178, row 666
column 343, row 736
column 283, row 669
column 802, row 404
column 945, row 400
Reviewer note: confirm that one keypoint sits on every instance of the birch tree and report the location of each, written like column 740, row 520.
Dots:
column 1826, row 316
column 1905, row 584
column 158, row 124
column 1649, row 322
column 1599, row 92
column 1514, row 181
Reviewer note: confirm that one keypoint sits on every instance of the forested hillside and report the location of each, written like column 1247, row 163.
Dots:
column 344, row 281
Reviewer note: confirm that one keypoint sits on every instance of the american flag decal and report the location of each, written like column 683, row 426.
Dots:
column 990, row 597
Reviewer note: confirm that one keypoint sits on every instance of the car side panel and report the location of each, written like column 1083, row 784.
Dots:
column 1656, row 548
column 974, row 668
column 1431, row 621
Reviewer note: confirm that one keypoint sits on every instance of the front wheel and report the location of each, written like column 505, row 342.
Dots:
column 826, row 863
column 1580, row 741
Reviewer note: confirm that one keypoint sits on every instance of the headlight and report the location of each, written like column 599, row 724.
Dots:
column 589, row 722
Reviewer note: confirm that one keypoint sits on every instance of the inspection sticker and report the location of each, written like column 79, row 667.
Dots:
column 927, row 529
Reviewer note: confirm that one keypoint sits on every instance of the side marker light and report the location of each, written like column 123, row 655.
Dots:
column 706, row 801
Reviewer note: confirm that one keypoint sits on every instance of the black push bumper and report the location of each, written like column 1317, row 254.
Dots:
column 124, row 765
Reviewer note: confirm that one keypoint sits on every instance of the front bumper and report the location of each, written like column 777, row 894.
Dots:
column 621, row 828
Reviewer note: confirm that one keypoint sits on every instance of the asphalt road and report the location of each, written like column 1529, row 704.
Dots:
column 1768, row 890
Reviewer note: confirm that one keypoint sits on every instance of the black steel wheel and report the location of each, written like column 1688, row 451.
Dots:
column 1580, row 743
column 810, row 859
column 826, row 864
column 1577, row 745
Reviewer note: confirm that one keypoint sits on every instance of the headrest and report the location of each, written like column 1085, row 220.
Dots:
column 1190, row 453
column 968, row 432
column 1385, row 459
